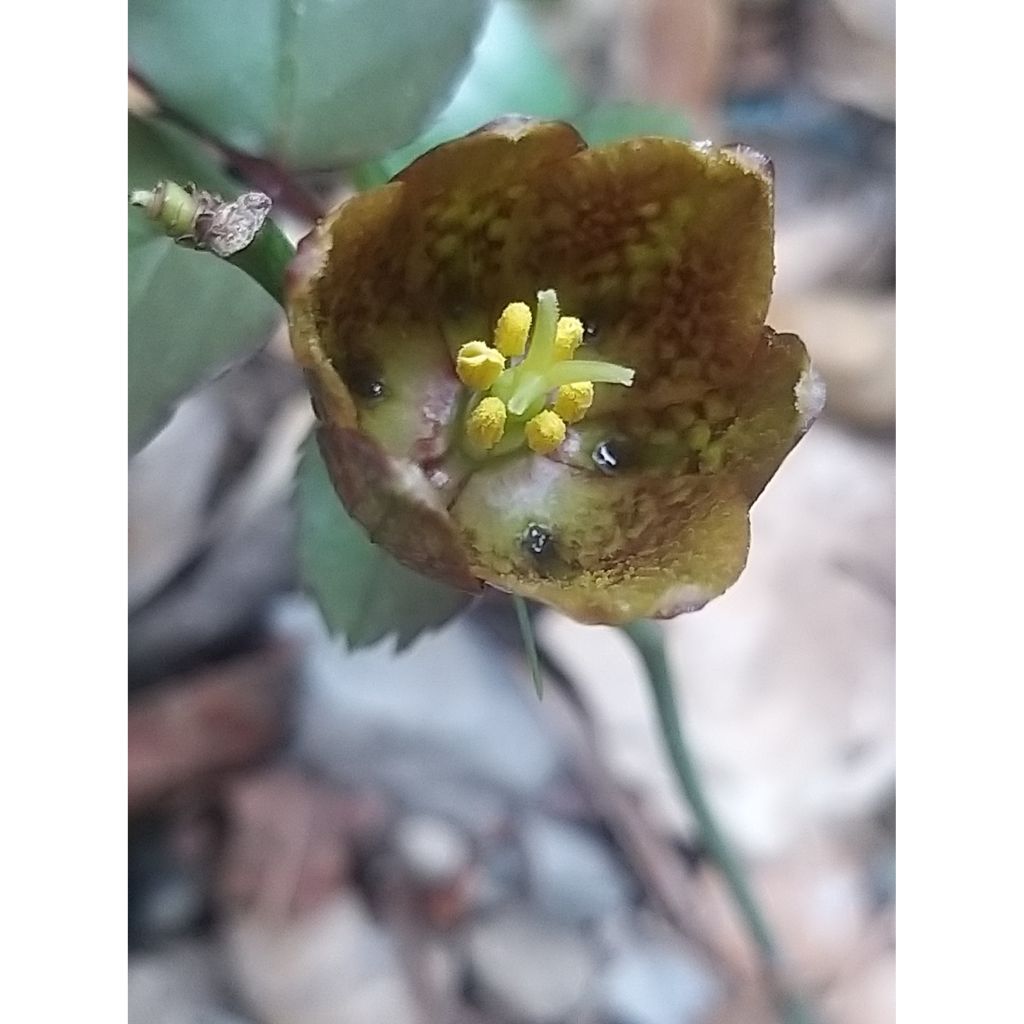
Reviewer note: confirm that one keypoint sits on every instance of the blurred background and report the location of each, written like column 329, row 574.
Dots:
column 369, row 837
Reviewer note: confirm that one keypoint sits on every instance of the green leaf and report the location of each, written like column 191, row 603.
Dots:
column 190, row 314
column 611, row 122
column 362, row 591
column 313, row 84
column 512, row 73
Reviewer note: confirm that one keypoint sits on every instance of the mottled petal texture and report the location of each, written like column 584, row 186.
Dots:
column 665, row 251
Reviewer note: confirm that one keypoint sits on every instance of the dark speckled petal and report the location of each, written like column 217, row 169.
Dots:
column 618, row 548
column 664, row 249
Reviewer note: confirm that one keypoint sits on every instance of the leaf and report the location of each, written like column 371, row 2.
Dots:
column 362, row 591
column 611, row 122
column 313, row 84
column 512, row 73
column 190, row 314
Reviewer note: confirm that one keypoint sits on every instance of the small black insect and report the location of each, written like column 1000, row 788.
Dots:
column 538, row 540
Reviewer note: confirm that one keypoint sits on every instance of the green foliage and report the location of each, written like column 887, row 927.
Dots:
column 190, row 314
column 512, row 73
column 362, row 591
column 316, row 84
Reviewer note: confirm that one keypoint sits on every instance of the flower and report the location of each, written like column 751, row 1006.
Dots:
column 546, row 368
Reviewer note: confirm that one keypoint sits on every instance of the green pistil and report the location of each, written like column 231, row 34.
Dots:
column 541, row 349
column 569, row 371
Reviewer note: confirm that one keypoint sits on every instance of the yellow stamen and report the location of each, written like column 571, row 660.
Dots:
column 513, row 329
column 511, row 409
column 573, row 400
column 486, row 423
column 545, row 432
column 478, row 365
column 568, row 336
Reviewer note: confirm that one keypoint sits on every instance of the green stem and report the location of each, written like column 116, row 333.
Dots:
column 265, row 259
column 529, row 643
column 177, row 211
column 571, row 371
column 647, row 639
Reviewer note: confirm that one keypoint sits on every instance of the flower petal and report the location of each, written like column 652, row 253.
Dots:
column 399, row 509
column 342, row 336
column 665, row 249
column 667, row 530
column 388, row 287
column 612, row 549
column 345, row 275
column 462, row 204
column 390, row 376
column 777, row 404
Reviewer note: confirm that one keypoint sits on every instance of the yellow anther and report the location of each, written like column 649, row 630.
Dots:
column 485, row 425
column 478, row 365
column 545, row 432
column 573, row 400
column 513, row 329
column 568, row 336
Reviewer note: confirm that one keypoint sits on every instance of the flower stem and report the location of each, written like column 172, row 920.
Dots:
column 529, row 643
column 266, row 259
column 263, row 255
column 647, row 639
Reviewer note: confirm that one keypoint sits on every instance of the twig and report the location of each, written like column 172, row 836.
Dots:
column 529, row 643
column 646, row 637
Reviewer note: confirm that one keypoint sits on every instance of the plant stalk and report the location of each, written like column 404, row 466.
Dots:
column 238, row 231
column 647, row 639
column 265, row 259
column 529, row 643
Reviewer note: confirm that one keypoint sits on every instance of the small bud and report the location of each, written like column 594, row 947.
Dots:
column 173, row 207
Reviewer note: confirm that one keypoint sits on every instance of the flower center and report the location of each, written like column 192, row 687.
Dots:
column 528, row 386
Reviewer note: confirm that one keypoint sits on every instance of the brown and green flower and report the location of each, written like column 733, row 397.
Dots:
column 546, row 368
